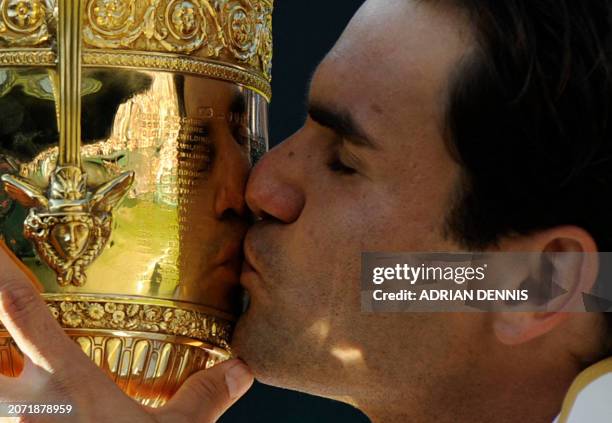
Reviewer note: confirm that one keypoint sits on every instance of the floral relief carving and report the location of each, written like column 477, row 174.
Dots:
column 142, row 317
column 24, row 22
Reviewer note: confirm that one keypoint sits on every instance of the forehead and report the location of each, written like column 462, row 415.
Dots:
column 394, row 60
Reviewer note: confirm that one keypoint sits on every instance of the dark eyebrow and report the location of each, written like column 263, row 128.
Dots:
column 342, row 123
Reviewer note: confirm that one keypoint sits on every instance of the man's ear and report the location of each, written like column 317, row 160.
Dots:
column 569, row 256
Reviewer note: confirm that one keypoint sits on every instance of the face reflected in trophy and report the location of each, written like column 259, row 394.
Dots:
column 125, row 146
column 214, row 204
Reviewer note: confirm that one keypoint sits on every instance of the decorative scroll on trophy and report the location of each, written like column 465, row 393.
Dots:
column 127, row 130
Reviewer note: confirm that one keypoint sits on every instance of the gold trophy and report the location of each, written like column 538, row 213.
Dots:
column 127, row 130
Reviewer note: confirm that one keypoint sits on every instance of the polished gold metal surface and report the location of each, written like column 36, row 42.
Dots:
column 146, row 368
column 70, row 226
column 127, row 130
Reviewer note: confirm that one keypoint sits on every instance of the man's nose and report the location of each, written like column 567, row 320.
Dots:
column 274, row 189
column 229, row 194
column 229, row 200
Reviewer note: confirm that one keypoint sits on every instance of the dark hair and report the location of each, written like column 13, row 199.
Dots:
column 530, row 121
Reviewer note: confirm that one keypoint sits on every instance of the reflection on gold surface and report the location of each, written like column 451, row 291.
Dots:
column 183, row 217
column 176, row 239
column 68, row 224
column 175, row 249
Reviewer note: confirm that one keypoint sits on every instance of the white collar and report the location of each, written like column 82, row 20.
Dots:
column 589, row 399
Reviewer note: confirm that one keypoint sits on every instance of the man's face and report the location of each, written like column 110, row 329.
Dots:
column 369, row 171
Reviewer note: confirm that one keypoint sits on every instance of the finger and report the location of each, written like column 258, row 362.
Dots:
column 28, row 319
column 21, row 266
column 29, row 385
column 206, row 395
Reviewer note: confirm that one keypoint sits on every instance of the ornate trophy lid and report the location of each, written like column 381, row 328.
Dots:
column 223, row 39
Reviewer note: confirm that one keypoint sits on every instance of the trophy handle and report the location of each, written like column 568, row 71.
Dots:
column 68, row 224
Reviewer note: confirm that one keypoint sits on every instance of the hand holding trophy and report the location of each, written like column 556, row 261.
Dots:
column 62, row 384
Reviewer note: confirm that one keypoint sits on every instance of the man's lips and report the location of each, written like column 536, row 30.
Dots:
column 247, row 268
column 249, row 257
column 248, row 277
column 249, row 274
column 225, row 265
column 229, row 254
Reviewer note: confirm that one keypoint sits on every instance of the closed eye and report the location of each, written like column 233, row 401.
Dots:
column 337, row 166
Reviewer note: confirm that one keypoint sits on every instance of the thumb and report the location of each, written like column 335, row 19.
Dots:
column 206, row 395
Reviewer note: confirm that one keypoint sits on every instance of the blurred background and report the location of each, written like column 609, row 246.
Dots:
column 303, row 33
